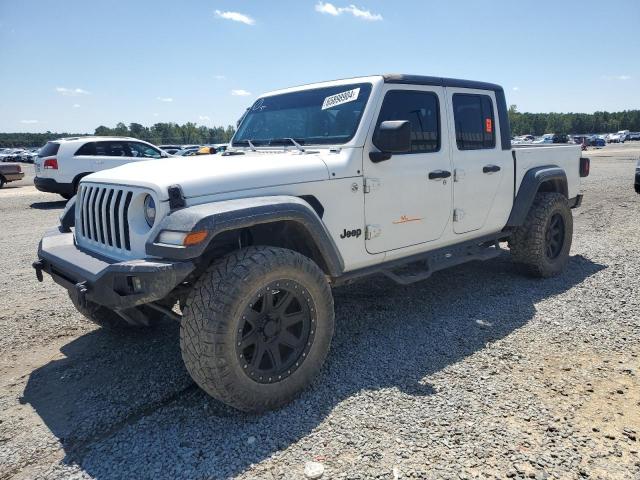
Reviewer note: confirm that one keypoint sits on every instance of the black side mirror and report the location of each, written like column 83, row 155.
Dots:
column 392, row 136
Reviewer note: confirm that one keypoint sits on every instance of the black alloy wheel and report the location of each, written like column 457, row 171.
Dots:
column 555, row 236
column 276, row 331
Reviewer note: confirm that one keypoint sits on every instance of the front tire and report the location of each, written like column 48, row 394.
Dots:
column 543, row 242
column 257, row 327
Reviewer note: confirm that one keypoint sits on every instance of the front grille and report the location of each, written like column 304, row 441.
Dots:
column 103, row 216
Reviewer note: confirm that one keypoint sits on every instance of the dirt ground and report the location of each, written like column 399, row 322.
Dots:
column 478, row 372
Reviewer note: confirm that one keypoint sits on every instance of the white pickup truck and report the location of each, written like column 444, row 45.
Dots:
column 401, row 175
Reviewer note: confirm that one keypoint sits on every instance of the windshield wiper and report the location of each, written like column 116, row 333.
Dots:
column 296, row 143
column 252, row 147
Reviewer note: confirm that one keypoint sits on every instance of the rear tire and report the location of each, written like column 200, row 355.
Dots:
column 257, row 327
column 543, row 242
column 2, row 181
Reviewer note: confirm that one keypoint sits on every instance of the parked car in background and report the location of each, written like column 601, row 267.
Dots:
column 618, row 137
column 10, row 172
column 62, row 163
column 554, row 138
column 634, row 136
column 169, row 147
column 186, row 152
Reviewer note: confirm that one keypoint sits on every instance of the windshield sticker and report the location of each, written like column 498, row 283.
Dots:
column 340, row 98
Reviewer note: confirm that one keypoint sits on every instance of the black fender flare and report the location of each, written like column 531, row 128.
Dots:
column 226, row 215
column 530, row 186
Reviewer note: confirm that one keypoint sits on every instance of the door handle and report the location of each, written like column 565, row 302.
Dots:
column 490, row 169
column 439, row 174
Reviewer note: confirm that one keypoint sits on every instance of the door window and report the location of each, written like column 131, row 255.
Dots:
column 112, row 149
column 141, row 150
column 421, row 109
column 475, row 125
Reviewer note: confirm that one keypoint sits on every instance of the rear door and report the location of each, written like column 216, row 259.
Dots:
column 479, row 162
column 111, row 154
column 403, row 206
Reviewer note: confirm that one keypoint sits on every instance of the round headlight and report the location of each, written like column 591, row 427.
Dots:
column 149, row 210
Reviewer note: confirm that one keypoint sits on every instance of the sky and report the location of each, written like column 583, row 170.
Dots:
column 72, row 65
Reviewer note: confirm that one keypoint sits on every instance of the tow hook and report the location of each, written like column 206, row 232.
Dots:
column 81, row 291
column 38, row 266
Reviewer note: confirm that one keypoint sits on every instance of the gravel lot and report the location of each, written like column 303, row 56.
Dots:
column 477, row 372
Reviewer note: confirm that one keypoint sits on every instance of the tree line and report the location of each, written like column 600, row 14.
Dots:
column 523, row 123
column 158, row 134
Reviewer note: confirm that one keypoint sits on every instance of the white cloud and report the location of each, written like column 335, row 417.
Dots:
column 240, row 93
column 165, row 99
column 617, row 77
column 236, row 17
column 71, row 92
column 516, row 89
column 28, row 121
column 76, row 105
column 204, row 118
column 219, row 77
column 331, row 9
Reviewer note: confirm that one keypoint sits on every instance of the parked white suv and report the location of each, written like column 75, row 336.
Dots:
column 62, row 163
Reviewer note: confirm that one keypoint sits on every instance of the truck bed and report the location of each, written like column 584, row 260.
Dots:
column 567, row 157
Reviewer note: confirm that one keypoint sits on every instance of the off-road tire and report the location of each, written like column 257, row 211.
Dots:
column 105, row 317
column 528, row 244
column 2, row 181
column 214, row 312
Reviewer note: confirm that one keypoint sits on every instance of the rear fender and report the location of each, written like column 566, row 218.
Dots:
column 550, row 178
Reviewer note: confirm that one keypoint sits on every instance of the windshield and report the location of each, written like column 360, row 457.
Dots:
column 320, row 116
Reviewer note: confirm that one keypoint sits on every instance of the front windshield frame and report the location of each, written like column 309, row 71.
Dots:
column 241, row 138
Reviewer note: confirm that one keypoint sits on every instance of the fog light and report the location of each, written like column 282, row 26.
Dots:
column 135, row 284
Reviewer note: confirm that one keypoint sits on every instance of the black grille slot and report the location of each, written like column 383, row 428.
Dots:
column 116, row 218
column 109, row 214
column 125, row 221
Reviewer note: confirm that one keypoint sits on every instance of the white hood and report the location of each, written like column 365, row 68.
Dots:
column 212, row 174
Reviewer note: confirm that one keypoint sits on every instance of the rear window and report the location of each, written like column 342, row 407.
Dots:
column 50, row 149
column 87, row 149
column 475, row 125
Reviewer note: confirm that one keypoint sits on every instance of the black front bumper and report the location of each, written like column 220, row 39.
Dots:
column 116, row 285
column 50, row 185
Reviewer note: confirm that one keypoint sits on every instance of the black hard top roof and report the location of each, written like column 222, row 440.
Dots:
column 438, row 81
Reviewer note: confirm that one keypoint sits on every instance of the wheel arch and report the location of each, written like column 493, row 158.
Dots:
column 549, row 178
column 76, row 180
column 278, row 221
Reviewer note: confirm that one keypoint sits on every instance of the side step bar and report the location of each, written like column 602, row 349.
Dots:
column 421, row 270
column 419, row 267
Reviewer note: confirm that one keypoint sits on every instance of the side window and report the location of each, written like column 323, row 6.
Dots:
column 102, row 149
column 475, row 125
column 87, row 149
column 141, row 150
column 112, row 149
column 421, row 109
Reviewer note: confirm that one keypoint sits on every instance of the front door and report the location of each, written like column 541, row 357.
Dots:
column 479, row 162
column 409, row 195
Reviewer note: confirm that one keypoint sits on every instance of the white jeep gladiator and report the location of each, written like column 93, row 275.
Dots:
column 401, row 175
